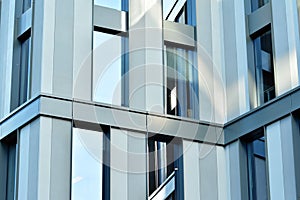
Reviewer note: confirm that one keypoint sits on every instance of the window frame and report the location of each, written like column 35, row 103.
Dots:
column 22, row 33
column 258, row 22
column 100, row 25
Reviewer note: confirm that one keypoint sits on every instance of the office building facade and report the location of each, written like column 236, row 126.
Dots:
column 153, row 99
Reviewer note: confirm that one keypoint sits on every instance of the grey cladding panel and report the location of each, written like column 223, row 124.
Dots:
column 110, row 116
column 259, row 19
column 110, row 18
column 24, row 23
column 185, row 129
column 56, row 107
column 20, row 118
column 179, row 33
column 257, row 119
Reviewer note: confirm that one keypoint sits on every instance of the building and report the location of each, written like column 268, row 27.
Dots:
column 102, row 99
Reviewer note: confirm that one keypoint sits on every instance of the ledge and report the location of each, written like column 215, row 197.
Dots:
column 278, row 108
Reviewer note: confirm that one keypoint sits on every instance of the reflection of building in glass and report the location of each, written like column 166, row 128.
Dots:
column 157, row 100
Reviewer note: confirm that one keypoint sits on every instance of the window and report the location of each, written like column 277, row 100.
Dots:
column 258, row 189
column 178, row 11
column 182, row 83
column 109, row 68
column 8, row 166
column 110, row 58
column 264, row 67
column 21, row 72
column 88, row 172
column 255, row 4
column 262, row 87
column 26, row 5
column 165, row 168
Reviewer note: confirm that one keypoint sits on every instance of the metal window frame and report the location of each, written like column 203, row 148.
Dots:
column 115, row 22
column 257, row 22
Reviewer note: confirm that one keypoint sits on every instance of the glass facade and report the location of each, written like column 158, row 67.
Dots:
column 87, row 165
column 264, row 67
column 109, row 65
column 182, row 83
column 257, row 175
column 256, row 4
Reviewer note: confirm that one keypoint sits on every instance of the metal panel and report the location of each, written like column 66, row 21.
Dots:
column 56, row 107
column 109, row 116
column 257, row 118
column 60, row 159
column 186, row 129
column 110, row 18
column 179, row 33
column 191, row 164
column 137, row 165
column 62, row 78
column 18, row 119
column 259, row 19
column 24, row 24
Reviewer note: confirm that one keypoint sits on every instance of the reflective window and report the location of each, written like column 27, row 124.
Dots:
column 8, row 166
column 26, row 5
column 165, row 167
column 264, row 67
column 178, row 11
column 25, row 70
column 258, row 3
column 21, row 74
column 115, row 4
column 257, row 170
column 109, row 71
column 182, row 83
column 87, row 154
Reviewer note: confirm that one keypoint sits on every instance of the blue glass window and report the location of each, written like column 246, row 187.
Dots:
column 257, row 170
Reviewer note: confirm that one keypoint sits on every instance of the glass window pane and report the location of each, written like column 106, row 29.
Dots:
column 26, row 5
column 165, row 159
column 182, row 83
column 264, row 67
column 87, row 148
column 175, row 11
column 258, row 3
column 257, row 170
column 107, row 68
column 25, row 70
column 11, row 171
column 115, row 4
